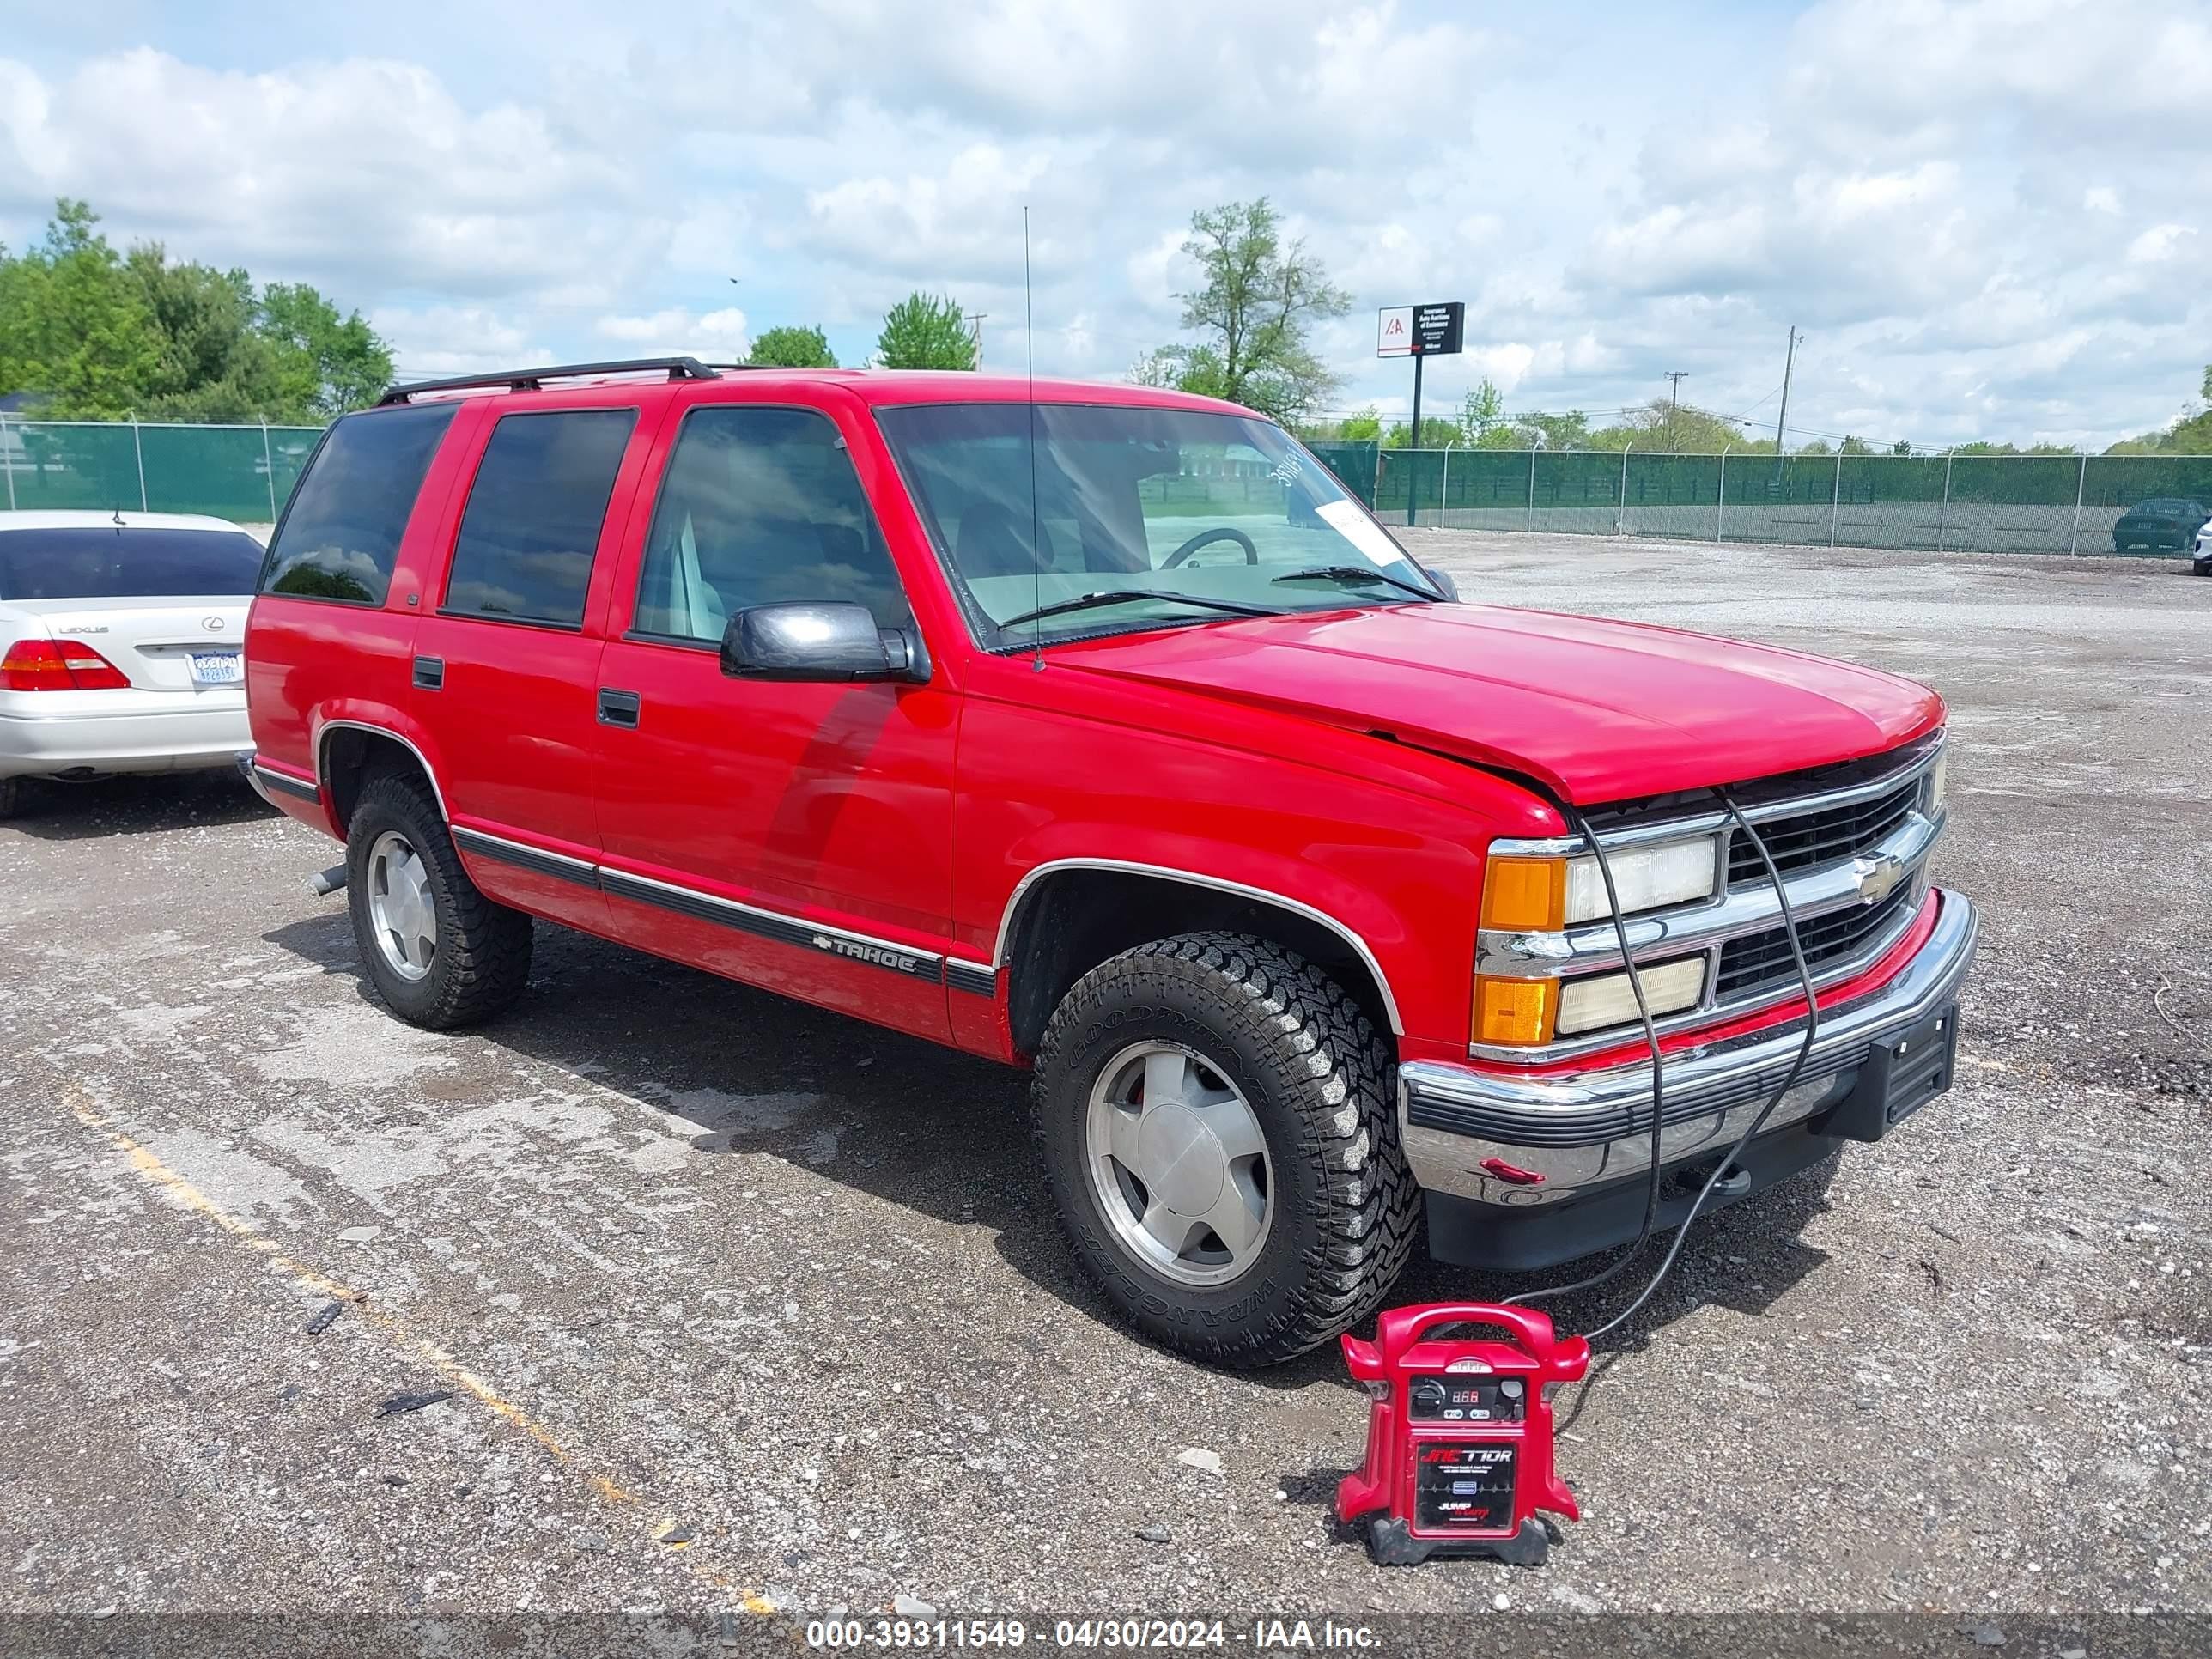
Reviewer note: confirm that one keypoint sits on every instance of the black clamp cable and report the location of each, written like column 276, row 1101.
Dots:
column 1658, row 1115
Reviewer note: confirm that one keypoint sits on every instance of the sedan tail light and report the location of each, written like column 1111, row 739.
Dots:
column 57, row 665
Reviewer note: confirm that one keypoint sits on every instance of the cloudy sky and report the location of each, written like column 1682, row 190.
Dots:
column 1989, row 220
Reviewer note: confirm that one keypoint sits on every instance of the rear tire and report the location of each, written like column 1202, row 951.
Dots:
column 11, row 796
column 439, row 952
column 1266, row 1037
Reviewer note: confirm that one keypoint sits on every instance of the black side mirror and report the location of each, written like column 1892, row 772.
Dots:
column 838, row 642
column 1443, row 580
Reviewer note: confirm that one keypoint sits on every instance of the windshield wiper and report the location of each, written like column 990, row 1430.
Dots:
column 1355, row 572
column 1124, row 595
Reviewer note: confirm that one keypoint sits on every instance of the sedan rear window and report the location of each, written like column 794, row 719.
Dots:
column 127, row 563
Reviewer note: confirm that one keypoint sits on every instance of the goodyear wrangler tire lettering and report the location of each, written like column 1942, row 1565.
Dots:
column 1344, row 1206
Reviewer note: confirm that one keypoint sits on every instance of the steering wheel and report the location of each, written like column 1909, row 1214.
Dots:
column 1205, row 538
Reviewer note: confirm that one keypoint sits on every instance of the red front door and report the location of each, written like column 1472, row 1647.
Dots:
column 794, row 836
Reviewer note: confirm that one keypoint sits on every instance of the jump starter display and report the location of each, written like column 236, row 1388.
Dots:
column 1459, row 1435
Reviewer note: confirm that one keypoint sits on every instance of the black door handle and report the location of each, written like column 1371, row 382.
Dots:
column 430, row 673
column 619, row 708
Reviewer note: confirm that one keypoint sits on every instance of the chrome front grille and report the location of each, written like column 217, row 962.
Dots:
column 1754, row 963
column 1850, row 841
column 1800, row 841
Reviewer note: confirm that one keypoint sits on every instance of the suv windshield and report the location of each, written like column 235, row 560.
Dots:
column 1135, row 502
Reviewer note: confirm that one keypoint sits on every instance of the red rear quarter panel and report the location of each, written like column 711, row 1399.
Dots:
column 312, row 662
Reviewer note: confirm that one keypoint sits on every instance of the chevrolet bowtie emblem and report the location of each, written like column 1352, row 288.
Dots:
column 1877, row 877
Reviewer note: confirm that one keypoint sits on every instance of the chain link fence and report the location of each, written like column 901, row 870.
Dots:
column 243, row 473
column 1979, row 503
column 1975, row 503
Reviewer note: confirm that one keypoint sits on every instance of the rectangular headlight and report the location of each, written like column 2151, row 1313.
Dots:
column 1525, row 895
column 1647, row 879
column 1603, row 999
column 1938, row 782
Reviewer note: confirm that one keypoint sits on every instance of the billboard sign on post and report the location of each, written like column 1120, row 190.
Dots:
column 1435, row 329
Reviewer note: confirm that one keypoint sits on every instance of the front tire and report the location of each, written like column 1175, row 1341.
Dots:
column 439, row 952
column 11, row 796
column 1216, row 1120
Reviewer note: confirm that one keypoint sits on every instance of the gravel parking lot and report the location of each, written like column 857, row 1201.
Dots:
column 733, row 1303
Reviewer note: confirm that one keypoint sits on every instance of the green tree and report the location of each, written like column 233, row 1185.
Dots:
column 1257, row 299
column 1435, row 434
column 75, row 330
column 1856, row 446
column 1567, row 431
column 95, row 335
column 1364, row 426
column 329, row 363
column 925, row 330
column 211, row 365
column 791, row 346
column 1482, row 409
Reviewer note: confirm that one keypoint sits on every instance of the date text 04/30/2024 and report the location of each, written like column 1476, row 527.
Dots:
column 1262, row 1634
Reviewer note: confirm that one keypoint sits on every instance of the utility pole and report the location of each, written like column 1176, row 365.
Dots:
column 1789, row 359
column 1673, row 402
column 974, row 321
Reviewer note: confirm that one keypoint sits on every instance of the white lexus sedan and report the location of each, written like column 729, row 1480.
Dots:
column 121, row 644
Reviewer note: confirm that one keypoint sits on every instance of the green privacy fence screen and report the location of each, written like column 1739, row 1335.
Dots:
column 1982, row 503
column 239, row 472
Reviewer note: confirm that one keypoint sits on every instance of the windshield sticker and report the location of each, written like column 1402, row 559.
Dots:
column 1286, row 471
column 1373, row 542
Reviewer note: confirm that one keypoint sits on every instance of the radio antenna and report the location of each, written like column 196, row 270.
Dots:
column 1036, row 548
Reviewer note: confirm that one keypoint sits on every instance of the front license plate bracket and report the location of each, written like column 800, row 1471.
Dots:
column 1899, row 1075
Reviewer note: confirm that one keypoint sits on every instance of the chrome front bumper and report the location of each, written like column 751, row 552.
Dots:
column 1584, row 1129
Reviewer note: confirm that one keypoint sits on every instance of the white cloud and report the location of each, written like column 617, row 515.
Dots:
column 442, row 340
column 1984, row 214
column 368, row 172
column 963, row 223
column 718, row 335
column 2158, row 243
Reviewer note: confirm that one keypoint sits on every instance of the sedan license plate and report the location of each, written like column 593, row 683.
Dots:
column 218, row 668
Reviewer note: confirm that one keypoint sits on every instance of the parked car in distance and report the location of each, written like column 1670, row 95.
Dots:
column 1095, row 729
column 121, row 636
column 2203, row 564
column 2165, row 522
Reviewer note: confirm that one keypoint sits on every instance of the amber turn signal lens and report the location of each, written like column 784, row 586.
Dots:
column 1518, row 1012
column 1524, row 894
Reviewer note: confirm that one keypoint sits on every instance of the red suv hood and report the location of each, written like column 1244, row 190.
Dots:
column 1601, row 711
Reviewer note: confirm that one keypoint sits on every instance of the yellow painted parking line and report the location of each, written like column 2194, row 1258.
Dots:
column 155, row 1173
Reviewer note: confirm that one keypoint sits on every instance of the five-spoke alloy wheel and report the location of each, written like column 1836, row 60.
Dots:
column 1217, row 1126
column 439, row 951
column 402, row 907
column 1178, row 1163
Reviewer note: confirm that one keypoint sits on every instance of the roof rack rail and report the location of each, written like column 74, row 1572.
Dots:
column 531, row 380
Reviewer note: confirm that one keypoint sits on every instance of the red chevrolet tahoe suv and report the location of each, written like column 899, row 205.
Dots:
column 1097, row 729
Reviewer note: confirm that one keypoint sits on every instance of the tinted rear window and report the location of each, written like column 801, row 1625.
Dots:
column 532, row 523
column 340, row 536
column 127, row 563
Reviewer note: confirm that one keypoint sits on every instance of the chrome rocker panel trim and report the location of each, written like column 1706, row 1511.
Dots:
column 1596, row 1127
